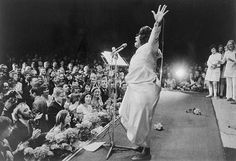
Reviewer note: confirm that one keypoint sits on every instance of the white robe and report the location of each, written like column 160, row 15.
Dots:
column 230, row 74
column 142, row 94
column 213, row 74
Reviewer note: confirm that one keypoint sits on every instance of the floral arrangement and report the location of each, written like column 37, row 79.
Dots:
column 60, row 143
column 104, row 117
column 85, row 128
column 91, row 117
column 195, row 111
column 38, row 154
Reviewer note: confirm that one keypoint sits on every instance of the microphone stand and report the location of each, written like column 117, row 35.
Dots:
column 112, row 144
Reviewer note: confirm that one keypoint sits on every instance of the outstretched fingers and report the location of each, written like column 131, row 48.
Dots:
column 166, row 12
column 153, row 13
column 159, row 8
column 163, row 8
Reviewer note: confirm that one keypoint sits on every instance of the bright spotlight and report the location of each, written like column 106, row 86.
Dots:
column 180, row 72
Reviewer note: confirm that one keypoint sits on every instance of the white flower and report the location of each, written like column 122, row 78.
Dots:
column 158, row 126
column 42, row 152
column 50, row 136
column 29, row 151
column 97, row 130
column 71, row 132
column 100, row 114
column 79, row 126
column 66, row 146
column 86, row 124
column 50, row 153
column 55, row 146
column 60, row 137
column 92, row 117
column 197, row 111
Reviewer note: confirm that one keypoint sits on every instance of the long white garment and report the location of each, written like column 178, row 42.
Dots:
column 142, row 94
column 230, row 69
column 230, row 74
column 213, row 74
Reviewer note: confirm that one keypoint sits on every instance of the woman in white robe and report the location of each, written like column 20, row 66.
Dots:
column 213, row 71
column 142, row 94
column 230, row 71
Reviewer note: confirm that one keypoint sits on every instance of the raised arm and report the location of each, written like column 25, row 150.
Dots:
column 154, row 37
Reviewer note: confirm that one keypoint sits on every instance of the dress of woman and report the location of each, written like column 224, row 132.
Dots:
column 230, row 74
column 142, row 94
column 213, row 73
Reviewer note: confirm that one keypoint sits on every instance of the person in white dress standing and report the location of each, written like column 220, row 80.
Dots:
column 143, row 91
column 230, row 71
column 213, row 71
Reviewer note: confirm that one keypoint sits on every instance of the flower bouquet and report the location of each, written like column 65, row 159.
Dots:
column 62, row 143
column 105, row 118
column 93, row 118
column 84, row 130
column 42, row 153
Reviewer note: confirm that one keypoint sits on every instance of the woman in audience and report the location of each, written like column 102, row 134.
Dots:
column 97, row 99
column 63, row 120
column 87, row 88
column 85, row 107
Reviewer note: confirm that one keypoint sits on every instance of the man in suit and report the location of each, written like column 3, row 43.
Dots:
column 104, row 90
column 55, row 106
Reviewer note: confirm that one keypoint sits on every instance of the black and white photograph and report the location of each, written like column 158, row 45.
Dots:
column 117, row 80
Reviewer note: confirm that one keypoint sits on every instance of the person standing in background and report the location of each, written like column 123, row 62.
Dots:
column 213, row 71
column 222, row 83
column 230, row 71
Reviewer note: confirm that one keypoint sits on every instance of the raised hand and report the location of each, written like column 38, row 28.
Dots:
column 160, row 13
column 36, row 133
column 38, row 116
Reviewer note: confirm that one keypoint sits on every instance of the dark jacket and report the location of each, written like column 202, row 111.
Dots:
column 53, row 109
column 104, row 94
column 20, row 133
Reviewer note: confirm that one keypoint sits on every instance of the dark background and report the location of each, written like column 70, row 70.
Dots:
column 92, row 26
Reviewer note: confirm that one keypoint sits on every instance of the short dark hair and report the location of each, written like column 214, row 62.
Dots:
column 212, row 46
column 144, row 33
column 4, row 123
column 220, row 46
column 37, row 90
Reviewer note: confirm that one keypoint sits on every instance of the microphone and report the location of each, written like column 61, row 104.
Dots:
column 119, row 48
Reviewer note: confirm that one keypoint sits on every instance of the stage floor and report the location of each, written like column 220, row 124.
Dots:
column 186, row 137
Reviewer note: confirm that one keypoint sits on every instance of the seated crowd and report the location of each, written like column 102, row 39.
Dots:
column 192, row 80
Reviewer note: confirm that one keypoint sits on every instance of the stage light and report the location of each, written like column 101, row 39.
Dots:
column 180, row 72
